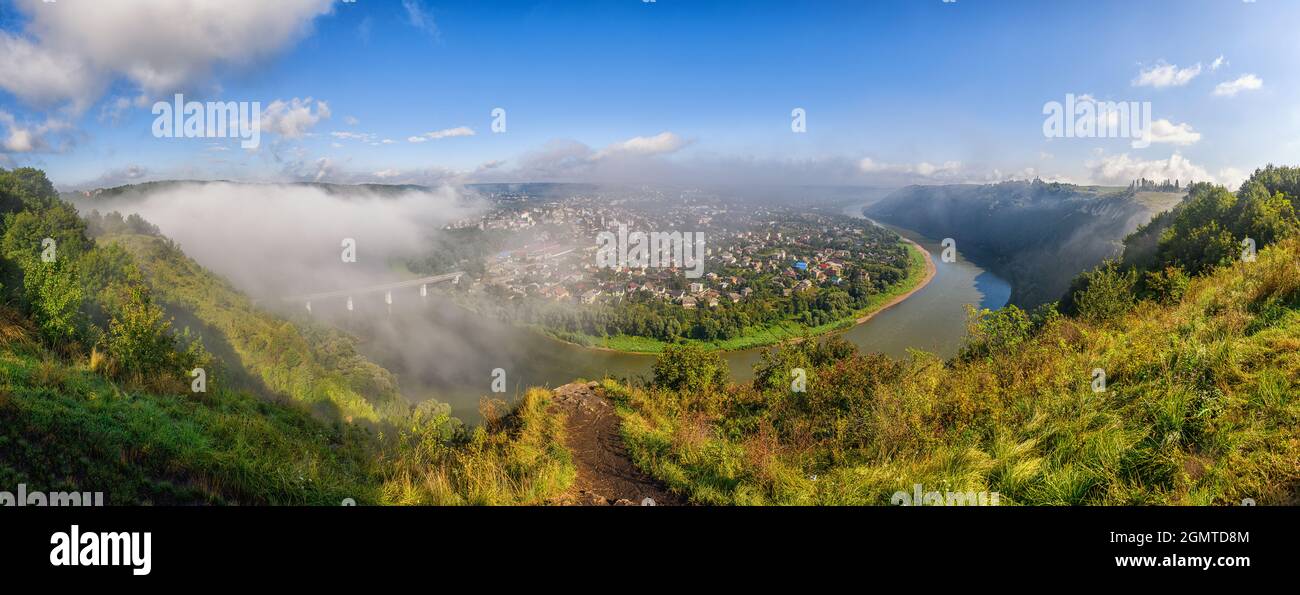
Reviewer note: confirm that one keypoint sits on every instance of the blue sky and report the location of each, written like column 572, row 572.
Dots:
column 908, row 91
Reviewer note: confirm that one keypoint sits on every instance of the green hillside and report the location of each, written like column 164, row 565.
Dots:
column 318, row 366
column 97, row 388
column 1201, row 402
column 1035, row 235
column 1197, row 342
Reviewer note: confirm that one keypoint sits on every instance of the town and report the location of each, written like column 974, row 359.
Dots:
column 539, row 256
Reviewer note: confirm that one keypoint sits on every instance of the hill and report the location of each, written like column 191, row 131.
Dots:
column 315, row 365
column 1035, row 235
column 1170, row 382
column 1169, row 376
column 1200, row 407
column 100, row 392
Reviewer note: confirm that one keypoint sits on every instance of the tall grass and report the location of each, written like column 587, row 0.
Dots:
column 64, row 427
column 1199, row 408
column 515, row 457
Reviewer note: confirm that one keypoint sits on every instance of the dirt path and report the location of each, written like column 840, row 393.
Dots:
column 606, row 476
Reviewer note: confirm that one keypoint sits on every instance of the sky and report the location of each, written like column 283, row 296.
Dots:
column 691, row 92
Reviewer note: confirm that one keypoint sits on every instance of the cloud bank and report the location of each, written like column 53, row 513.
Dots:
column 273, row 240
column 70, row 51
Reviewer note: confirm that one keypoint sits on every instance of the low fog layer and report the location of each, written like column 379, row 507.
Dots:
column 278, row 240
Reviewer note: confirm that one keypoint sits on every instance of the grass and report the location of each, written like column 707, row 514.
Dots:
column 65, row 428
column 518, row 458
column 316, row 366
column 1202, row 406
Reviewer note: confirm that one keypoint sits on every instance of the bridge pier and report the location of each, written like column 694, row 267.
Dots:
column 388, row 288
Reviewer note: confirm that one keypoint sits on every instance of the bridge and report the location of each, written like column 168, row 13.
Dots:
column 422, row 283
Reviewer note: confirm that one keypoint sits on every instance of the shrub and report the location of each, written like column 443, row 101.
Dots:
column 1107, row 292
column 54, row 295
column 689, row 367
column 1166, row 286
column 142, row 346
column 991, row 332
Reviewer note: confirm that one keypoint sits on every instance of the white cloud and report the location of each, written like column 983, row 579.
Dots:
column 112, row 110
column 1166, row 75
column 445, row 133
column 1164, row 131
column 419, row 17
column 294, row 118
column 19, row 141
column 1121, row 169
column 1247, row 82
column 664, row 142
column 870, row 165
column 70, row 51
column 324, row 168
column 1220, row 61
column 129, row 174
column 364, row 137
column 18, row 137
column 635, row 158
column 40, row 76
column 924, row 169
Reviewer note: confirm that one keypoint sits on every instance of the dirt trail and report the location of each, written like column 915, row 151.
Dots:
column 606, row 476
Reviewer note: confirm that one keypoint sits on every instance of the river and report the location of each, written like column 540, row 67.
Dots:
column 439, row 351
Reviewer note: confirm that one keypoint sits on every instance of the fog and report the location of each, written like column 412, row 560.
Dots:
column 278, row 240
column 275, row 240
column 1036, row 238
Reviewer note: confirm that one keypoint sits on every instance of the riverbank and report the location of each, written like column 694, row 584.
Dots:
column 433, row 334
column 921, row 270
column 930, row 271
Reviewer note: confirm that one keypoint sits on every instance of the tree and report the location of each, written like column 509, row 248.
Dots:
column 26, row 231
column 1106, row 293
column 990, row 332
column 139, row 340
column 54, row 295
column 774, row 367
column 689, row 368
column 25, row 188
column 1166, row 286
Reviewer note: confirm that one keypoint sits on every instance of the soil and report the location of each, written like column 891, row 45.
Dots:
column 606, row 476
